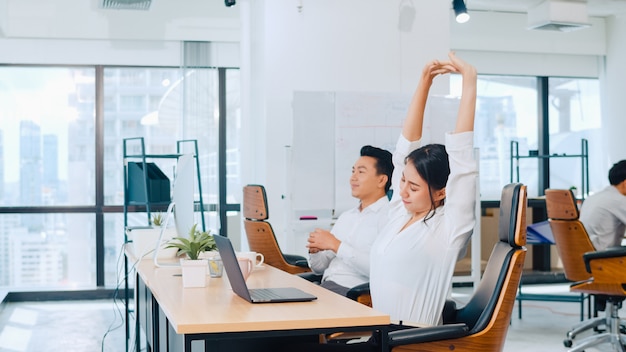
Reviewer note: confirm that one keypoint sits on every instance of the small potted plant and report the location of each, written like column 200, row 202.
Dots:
column 157, row 219
column 194, row 269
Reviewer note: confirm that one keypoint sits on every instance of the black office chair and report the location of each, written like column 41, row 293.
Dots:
column 482, row 324
column 359, row 293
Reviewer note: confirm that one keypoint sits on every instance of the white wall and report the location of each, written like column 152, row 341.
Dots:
column 614, row 103
column 506, row 32
column 348, row 45
column 499, row 43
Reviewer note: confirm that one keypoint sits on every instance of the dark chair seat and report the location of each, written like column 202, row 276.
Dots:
column 359, row 293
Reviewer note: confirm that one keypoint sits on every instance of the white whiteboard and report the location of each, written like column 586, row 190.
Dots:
column 312, row 158
column 331, row 127
column 363, row 119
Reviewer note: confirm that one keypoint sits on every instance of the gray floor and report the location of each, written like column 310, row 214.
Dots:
column 543, row 324
column 69, row 326
column 82, row 325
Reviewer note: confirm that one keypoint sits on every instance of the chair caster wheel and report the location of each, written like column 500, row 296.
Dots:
column 567, row 343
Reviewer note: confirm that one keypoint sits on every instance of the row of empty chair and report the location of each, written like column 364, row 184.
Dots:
column 598, row 273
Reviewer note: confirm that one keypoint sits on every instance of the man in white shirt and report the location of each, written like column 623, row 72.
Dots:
column 342, row 254
column 604, row 213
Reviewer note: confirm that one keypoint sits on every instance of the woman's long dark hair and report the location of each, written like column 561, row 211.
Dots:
column 432, row 164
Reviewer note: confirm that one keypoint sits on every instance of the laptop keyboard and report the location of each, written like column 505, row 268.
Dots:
column 264, row 294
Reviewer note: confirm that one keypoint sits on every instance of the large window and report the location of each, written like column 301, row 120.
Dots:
column 46, row 134
column 47, row 162
column 51, row 145
column 508, row 109
column 574, row 115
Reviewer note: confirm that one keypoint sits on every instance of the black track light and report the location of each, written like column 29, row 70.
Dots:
column 460, row 10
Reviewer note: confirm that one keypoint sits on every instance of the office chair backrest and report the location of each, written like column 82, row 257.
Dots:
column 255, row 203
column 561, row 204
column 260, row 234
column 480, row 309
column 570, row 236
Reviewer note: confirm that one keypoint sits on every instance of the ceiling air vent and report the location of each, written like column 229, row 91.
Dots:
column 554, row 15
column 125, row 4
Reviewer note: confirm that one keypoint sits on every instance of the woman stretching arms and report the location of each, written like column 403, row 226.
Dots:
column 431, row 213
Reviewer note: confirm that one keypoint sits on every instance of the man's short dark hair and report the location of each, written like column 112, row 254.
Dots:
column 617, row 174
column 384, row 164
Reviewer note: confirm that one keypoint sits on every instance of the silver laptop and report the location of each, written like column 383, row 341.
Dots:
column 255, row 295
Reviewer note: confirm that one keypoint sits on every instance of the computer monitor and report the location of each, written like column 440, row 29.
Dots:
column 182, row 195
column 181, row 209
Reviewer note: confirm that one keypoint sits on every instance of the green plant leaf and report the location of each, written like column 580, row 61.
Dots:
column 193, row 246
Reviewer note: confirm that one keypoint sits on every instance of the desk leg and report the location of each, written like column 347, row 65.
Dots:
column 126, row 303
column 137, row 312
column 156, row 337
column 383, row 335
column 188, row 344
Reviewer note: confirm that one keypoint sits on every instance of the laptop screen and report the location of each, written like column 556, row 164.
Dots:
column 231, row 265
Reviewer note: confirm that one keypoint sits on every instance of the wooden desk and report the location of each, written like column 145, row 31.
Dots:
column 173, row 316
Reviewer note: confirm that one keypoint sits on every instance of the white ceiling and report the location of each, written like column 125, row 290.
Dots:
column 596, row 8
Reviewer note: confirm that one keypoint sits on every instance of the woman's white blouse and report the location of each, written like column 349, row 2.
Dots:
column 411, row 271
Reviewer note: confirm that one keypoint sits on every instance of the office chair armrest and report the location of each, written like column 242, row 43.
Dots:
column 311, row 276
column 449, row 312
column 301, row 263
column 296, row 260
column 428, row 334
column 611, row 252
column 358, row 290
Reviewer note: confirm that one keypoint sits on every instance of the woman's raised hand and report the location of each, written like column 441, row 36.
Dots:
column 435, row 68
column 461, row 66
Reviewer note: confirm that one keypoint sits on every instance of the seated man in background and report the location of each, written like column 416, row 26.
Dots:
column 342, row 254
column 604, row 213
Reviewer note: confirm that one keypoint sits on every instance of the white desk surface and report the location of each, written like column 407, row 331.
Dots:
column 216, row 308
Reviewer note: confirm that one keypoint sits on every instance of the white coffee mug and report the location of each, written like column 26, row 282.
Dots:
column 257, row 259
column 246, row 266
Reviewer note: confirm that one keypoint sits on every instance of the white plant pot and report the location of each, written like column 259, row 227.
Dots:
column 144, row 242
column 194, row 272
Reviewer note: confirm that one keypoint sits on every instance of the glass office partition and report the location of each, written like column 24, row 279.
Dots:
column 575, row 114
column 506, row 110
column 138, row 102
